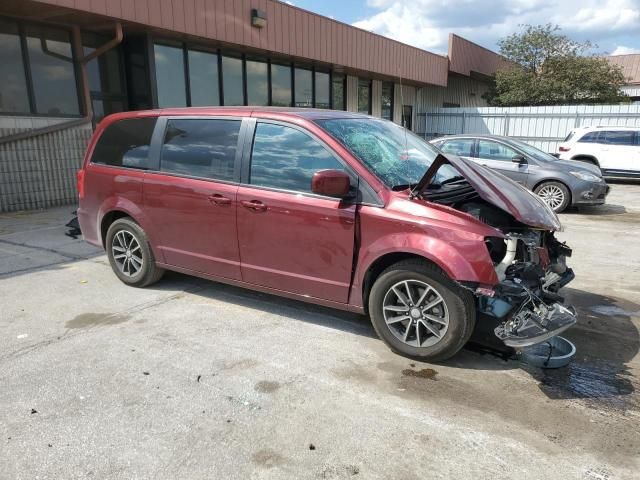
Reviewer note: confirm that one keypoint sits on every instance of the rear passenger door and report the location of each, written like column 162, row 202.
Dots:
column 498, row 156
column 191, row 198
column 619, row 151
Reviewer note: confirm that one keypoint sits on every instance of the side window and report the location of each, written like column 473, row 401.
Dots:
column 200, row 148
column 125, row 143
column 495, row 151
column 462, row 147
column 618, row 137
column 591, row 137
column 286, row 158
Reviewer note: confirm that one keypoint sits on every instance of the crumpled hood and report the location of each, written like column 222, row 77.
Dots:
column 498, row 190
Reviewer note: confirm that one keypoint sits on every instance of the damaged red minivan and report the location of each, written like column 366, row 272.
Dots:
column 328, row 207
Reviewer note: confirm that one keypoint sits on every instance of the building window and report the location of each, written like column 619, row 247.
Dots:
column 170, row 76
column 407, row 117
column 105, row 76
column 14, row 97
column 387, row 100
column 203, row 79
column 53, row 73
column 303, row 84
column 338, row 97
column 138, row 72
column 322, row 86
column 364, row 96
column 257, row 83
column 280, row 85
column 232, row 81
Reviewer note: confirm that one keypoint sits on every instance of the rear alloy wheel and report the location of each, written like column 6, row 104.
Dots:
column 554, row 194
column 419, row 312
column 130, row 255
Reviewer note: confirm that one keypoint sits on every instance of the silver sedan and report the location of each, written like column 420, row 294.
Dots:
column 559, row 183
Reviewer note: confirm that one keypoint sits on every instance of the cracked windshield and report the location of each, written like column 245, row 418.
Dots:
column 398, row 157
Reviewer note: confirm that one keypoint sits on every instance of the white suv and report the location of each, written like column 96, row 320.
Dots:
column 616, row 150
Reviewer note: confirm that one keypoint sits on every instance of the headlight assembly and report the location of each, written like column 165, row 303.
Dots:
column 586, row 176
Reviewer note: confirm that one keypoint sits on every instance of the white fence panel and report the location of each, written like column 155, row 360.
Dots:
column 543, row 127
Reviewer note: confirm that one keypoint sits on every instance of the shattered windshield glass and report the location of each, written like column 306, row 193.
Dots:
column 395, row 155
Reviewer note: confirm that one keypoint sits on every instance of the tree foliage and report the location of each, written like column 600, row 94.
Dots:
column 551, row 69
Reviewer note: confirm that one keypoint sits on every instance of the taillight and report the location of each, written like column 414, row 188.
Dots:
column 80, row 184
column 564, row 149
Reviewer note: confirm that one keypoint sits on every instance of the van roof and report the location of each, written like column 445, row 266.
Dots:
column 306, row 113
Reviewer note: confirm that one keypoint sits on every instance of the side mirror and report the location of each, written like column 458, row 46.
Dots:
column 518, row 159
column 331, row 183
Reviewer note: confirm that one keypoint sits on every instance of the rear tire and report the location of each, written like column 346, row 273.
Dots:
column 130, row 254
column 438, row 323
column 554, row 194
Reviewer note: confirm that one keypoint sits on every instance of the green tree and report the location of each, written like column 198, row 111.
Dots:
column 549, row 68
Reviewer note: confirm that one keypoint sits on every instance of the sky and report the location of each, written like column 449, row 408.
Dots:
column 614, row 25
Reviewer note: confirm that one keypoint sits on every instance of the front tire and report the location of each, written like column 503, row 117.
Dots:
column 554, row 194
column 419, row 312
column 130, row 255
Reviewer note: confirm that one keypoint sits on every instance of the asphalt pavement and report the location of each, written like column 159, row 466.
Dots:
column 193, row 379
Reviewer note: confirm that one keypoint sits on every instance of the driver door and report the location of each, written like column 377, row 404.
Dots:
column 499, row 157
column 291, row 239
column 462, row 147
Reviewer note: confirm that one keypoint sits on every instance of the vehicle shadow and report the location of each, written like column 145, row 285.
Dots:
column 590, row 210
column 267, row 303
column 606, row 340
column 605, row 337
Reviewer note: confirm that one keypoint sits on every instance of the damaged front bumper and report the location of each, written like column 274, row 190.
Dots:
column 525, row 305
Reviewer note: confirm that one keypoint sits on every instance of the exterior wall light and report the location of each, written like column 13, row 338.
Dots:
column 258, row 18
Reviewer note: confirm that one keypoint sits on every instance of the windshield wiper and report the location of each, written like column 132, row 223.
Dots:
column 455, row 179
column 403, row 186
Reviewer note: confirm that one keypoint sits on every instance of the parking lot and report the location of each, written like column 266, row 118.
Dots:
column 193, row 379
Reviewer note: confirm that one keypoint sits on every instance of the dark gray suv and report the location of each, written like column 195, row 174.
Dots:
column 559, row 183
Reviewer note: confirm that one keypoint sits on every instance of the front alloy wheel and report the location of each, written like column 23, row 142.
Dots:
column 415, row 313
column 554, row 194
column 420, row 312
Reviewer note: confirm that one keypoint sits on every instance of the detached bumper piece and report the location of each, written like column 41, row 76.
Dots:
column 532, row 325
column 73, row 227
column 526, row 311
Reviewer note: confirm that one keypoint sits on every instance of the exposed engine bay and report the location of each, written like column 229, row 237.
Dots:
column 530, row 264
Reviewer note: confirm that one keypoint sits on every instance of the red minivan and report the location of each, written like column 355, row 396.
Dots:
column 334, row 208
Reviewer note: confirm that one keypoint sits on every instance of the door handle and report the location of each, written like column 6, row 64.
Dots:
column 256, row 205
column 219, row 199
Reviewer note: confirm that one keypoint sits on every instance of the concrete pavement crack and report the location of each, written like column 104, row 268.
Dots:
column 67, row 334
column 42, row 249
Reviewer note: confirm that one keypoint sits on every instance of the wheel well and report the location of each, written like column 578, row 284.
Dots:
column 380, row 265
column 586, row 158
column 107, row 220
column 549, row 180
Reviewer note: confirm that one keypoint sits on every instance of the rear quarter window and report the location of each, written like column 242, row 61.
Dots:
column 125, row 143
column 590, row 137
